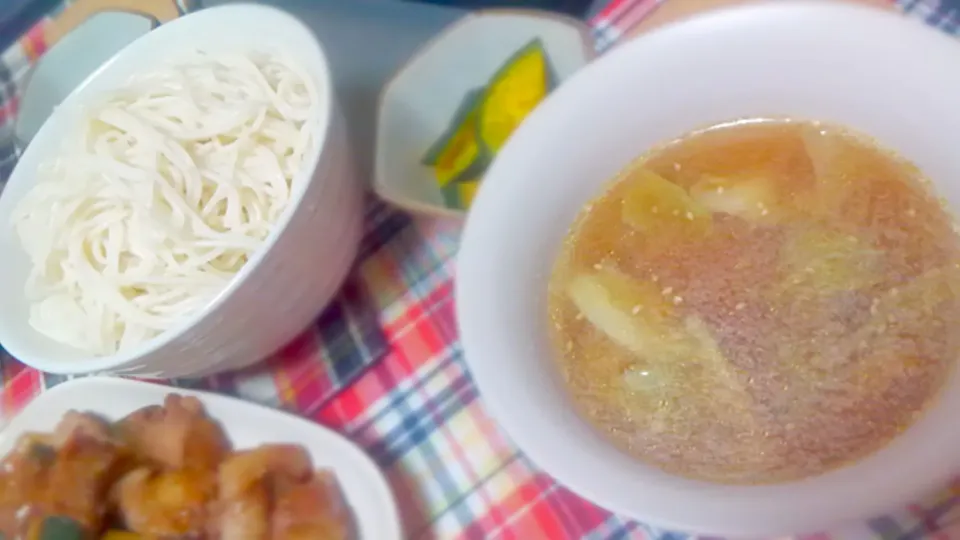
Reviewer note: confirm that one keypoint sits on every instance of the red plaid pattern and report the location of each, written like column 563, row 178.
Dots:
column 383, row 365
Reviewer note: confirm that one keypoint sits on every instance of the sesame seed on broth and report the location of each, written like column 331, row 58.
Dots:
column 758, row 302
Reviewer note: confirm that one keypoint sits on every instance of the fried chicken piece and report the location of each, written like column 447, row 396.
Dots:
column 165, row 504
column 62, row 477
column 271, row 493
column 311, row 510
column 179, row 449
column 80, row 479
column 177, row 435
column 243, row 516
column 244, row 469
column 23, row 481
column 75, row 424
column 246, row 479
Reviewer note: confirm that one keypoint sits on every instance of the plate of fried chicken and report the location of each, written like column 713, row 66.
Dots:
column 115, row 459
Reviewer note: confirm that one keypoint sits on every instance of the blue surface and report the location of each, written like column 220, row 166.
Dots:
column 571, row 7
column 17, row 16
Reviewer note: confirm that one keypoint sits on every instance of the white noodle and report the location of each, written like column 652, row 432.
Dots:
column 162, row 196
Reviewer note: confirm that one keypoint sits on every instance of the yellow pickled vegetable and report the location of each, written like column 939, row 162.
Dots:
column 513, row 92
column 458, row 152
column 460, row 194
column 659, row 207
column 485, row 120
column 468, row 190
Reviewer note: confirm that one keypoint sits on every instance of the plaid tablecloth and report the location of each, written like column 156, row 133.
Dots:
column 383, row 365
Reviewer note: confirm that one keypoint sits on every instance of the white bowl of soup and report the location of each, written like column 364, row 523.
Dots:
column 732, row 311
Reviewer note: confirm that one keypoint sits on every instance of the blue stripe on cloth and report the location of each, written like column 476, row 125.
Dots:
column 424, row 256
column 624, row 532
column 932, row 520
column 421, row 417
column 605, row 35
column 909, row 6
column 411, row 440
column 461, row 506
column 942, row 14
column 397, row 395
column 616, row 528
column 8, row 90
column 381, row 224
column 351, row 332
column 50, row 380
column 8, row 159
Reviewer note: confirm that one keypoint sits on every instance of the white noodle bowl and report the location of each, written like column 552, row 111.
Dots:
column 162, row 196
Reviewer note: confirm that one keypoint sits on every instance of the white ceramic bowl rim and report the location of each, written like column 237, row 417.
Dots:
column 160, row 38
column 876, row 72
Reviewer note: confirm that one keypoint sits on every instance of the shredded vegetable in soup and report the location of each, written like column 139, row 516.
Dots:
column 758, row 302
column 162, row 195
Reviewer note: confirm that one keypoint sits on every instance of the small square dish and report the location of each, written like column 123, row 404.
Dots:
column 445, row 114
column 372, row 507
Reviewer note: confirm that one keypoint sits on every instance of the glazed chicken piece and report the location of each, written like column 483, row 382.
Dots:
column 180, row 448
column 177, row 435
column 75, row 424
column 165, row 504
column 243, row 509
column 272, row 493
column 60, row 481
column 310, row 510
column 23, row 481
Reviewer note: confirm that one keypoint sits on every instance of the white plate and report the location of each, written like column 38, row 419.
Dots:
column 246, row 424
column 418, row 103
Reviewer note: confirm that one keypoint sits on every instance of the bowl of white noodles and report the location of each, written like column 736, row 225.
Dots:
column 187, row 210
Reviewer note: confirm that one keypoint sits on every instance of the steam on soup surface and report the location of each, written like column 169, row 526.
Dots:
column 758, row 302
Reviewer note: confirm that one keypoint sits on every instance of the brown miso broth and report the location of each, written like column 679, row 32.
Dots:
column 758, row 302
